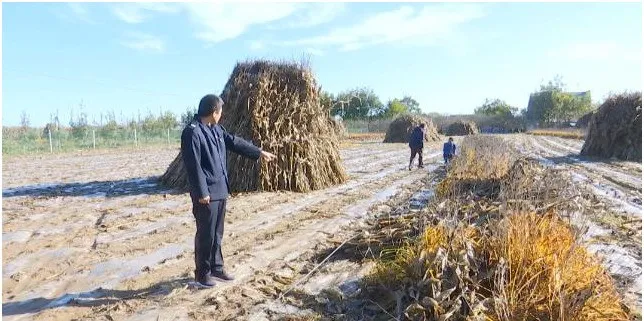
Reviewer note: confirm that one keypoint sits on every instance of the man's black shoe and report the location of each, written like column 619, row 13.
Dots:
column 222, row 275
column 206, row 281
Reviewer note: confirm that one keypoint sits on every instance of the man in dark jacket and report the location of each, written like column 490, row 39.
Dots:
column 449, row 150
column 416, row 143
column 203, row 146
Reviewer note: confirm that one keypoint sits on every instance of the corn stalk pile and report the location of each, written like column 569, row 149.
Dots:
column 616, row 129
column 400, row 129
column 503, row 253
column 277, row 107
column 461, row 128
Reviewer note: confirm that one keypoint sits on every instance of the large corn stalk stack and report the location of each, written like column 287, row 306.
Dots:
column 175, row 176
column 400, row 129
column 276, row 106
column 616, row 129
column 461, row 128
column 584, row 120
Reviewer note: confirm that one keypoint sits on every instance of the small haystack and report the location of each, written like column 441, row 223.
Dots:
column 616, row 129
column 584, row 120
column 461, row 128
column 400, row 129
column 276, row 106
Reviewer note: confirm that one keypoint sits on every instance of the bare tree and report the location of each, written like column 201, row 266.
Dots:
column 24, row 120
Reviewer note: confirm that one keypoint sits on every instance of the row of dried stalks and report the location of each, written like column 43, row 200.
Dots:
column 494, row 244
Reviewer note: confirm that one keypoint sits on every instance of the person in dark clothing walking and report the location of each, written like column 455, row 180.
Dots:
column 203, row 147
column 449, row 150
column 416, row 140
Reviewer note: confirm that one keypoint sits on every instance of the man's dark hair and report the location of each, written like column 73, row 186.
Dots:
column 209, row 104
column 451, row 139
column 422, row 125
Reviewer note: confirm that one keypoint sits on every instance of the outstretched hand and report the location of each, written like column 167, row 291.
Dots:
column 267, row 156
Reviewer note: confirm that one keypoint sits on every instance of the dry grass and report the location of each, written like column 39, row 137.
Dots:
column 481, row 257
column 572, row 133
column 544, row 274
column 479, row 167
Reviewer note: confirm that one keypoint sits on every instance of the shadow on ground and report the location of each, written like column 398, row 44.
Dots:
column 126, row 187
column 94, row 298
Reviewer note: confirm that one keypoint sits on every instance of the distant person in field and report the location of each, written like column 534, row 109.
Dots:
column 416, row 140
column 449, row 150
column 203, row 148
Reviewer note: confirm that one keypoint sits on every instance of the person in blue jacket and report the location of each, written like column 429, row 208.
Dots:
column 416, row 140
column 203, row 147
column 449, row 150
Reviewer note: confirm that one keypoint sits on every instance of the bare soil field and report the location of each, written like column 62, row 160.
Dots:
column 92, row 236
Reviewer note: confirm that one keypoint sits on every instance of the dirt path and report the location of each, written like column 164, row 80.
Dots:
column 105, row 232
column 619, row 182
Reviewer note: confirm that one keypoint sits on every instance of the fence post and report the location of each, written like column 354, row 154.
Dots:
column 136, row 143
column 94, row 137
column 168, row 136
column 51, row 144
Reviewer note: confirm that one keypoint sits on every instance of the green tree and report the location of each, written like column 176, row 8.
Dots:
column 556, row 84
column 551, row 104
column 360, row 103
column 396, row 107
column 412, row 105
column 496, row 107
column 188, row 115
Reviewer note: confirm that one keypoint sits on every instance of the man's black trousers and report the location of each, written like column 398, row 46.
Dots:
column 210, row 231
column 414, row 151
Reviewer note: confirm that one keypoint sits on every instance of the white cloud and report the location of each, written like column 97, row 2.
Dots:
column 219, row 21
column 138, row 12
column 144, row 42
column 595, row 51
column 314, row 14
column 80, row 11
column 427, row 25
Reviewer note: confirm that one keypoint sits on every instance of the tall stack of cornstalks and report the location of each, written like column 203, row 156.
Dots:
column 276, row 106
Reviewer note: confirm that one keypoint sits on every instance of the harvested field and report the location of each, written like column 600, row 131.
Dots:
column 579, row 134
column 107, row 242
column 112, row 226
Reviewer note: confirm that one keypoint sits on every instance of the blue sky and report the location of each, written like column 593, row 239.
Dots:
column 140, row 57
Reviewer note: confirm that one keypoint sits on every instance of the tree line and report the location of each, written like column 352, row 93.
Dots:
column 547, row 106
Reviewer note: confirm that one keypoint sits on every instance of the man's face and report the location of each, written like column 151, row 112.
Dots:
column 217, row 115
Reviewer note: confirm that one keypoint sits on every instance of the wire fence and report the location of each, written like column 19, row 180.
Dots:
column 20, row 140
column 367, row 126
column 17, row 141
